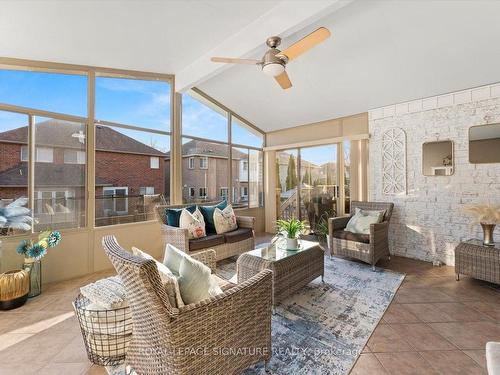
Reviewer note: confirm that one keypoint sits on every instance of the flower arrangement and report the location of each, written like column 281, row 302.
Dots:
column 37, row 250
column 484, row 213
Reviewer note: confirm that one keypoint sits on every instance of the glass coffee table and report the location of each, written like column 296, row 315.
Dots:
column 292, row 269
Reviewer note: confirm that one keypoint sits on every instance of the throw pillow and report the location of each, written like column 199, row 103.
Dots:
column 193, row 222
column 173, row 215
column 362, row 219
column 168, row 279
column 225, row 220
column 196, row 281
column 208, row 215
column 109, row 293
column 172, row 258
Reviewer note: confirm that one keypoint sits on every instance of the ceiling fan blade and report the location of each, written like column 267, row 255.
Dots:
column 306, row 43
column 235, row 61
column 283, row 80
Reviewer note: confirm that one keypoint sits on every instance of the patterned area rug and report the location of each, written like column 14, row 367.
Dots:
column 323, row 328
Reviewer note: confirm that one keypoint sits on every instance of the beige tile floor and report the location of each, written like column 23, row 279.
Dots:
column 435, row 325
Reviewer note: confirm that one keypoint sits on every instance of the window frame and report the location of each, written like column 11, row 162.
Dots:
column 201, row 195
column 79, row 161
column 153, row 165
column 114, row 189
column 242, row 122
column 191, row 162
column 203, row 165
column 88, row 120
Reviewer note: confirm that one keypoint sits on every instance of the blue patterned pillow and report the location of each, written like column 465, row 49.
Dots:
column 173, row 215
column 208, row 215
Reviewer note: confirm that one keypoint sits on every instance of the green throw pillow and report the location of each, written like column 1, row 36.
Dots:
column 173, row 215
column 361, row 220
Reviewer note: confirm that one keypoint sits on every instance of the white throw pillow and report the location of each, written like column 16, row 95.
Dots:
column 196, row 281
column 225, row 220
column 362, row 219
column 166, row 276
column 172, row 258
column 193, row 222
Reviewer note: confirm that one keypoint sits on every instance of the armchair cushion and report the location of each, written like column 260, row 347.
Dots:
column 206, row 242
column 208, row 215
column 173, row 215
column 172, row 258
column 361, row 220
column 349, row 236
column 238, row 235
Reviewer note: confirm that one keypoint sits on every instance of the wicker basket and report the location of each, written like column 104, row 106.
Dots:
column 14, row 289
column 106, row 333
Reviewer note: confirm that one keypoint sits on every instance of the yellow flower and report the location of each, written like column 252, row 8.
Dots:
column 44, row 244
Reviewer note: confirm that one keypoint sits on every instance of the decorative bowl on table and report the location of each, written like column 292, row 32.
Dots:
column 14, row 289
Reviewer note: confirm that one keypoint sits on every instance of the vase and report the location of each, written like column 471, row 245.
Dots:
column 14, row 289
column 292, row 244
column 488, row 234
column 34, row 269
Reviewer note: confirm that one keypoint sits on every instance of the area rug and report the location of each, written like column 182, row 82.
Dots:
column 323, row 328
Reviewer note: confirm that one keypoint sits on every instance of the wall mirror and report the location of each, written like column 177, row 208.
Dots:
column 484, row 144
column 437, row 158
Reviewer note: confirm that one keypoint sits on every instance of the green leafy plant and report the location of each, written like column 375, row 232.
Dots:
column 321, row 228
column 291, row 228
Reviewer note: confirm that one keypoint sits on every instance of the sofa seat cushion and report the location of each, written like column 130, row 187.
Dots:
column 238, row 235
column 223, row 283
column 206, row 242
column 349, row 236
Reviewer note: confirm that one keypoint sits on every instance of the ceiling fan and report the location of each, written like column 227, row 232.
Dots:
column 274, row 61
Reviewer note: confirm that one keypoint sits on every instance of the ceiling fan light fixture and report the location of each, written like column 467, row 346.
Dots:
column 273, row 69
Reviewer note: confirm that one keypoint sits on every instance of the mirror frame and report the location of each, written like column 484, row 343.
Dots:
column 452, row 157
column 468, row 144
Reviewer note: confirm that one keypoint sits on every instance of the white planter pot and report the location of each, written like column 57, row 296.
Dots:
column 292, row 243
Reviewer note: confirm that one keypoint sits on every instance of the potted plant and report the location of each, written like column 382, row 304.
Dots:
column 488, row 216
column 291, row 229
column 321, row 229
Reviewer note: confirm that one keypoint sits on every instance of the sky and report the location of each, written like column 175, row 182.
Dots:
column 127, row 101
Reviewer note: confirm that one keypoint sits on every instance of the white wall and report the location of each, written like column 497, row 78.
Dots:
column 428, row 222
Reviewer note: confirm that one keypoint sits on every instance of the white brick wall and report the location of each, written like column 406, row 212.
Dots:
column 428, row 222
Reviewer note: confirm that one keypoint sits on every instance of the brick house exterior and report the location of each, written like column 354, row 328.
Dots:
column 121, row 162
column 205, row 172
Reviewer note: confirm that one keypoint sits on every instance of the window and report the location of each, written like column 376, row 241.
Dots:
column 116, row 200
column 74, row 157
column 191, row 163
column 24, row 153
column 123, row 159
column 61, row 187
column 49, row 91
column 243, row 134
column 215, row 178
column 138, row 102
column 148, row 190
column 247, row 176
column 204, row 162
column 191, row 192
column 13, row 172
column 154, row 162
column 203, row 119
column 203, row 192
column 224, row 193
column 44, row 154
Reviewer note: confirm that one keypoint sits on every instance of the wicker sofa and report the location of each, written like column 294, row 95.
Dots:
column 366, row 247
column 224, row 334
column 225, row 245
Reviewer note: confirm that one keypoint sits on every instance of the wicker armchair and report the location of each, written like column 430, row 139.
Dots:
column 220, row 335
column 224, row 248
column 368, row 248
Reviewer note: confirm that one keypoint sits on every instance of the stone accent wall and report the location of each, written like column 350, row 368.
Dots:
column 428, row 222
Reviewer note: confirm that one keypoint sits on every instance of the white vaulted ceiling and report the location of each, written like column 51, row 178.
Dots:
column 380, row 52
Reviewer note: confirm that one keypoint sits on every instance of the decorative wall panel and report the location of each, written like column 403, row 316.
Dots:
column 394, row 162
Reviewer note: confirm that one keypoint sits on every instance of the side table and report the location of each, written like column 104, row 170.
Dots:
column 476, row 260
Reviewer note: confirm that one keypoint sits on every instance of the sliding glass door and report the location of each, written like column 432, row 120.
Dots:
column 319, row 188
column 315, row 183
